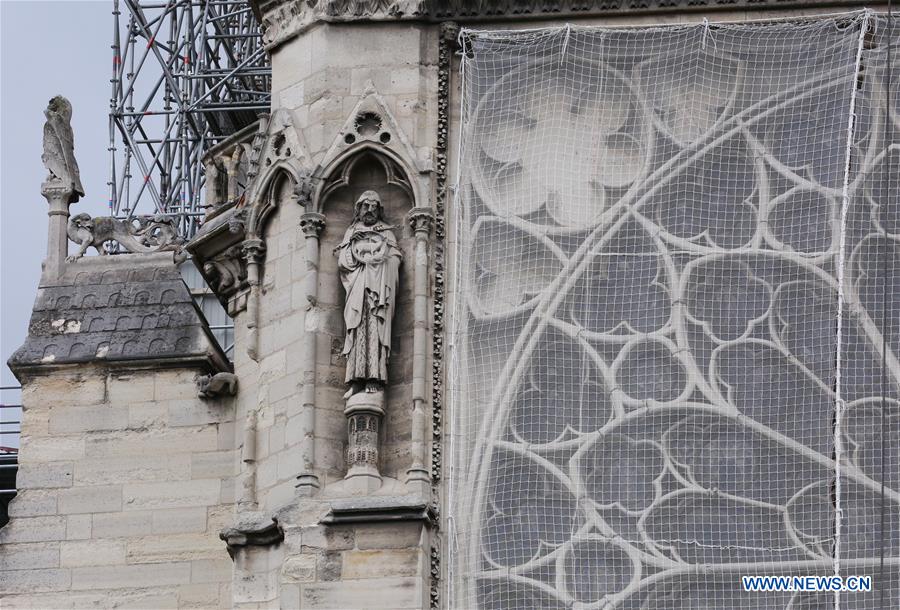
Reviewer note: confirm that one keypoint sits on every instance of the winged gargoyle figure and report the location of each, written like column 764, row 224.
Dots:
column 59, row 147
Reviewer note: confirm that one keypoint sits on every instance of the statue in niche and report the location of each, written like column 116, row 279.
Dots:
column 59, row 148
column 368, row 261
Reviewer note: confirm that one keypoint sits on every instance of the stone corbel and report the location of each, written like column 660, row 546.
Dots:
column 312, row 224
column 252, row 529
column 418, row 478
column 253, row 251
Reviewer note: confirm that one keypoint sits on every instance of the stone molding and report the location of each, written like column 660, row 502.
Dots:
column 375, row 509
column 446, row 46
column 281, row 20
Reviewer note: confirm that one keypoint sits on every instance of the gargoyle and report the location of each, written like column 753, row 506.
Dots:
column 152, row 233
column 220, row 384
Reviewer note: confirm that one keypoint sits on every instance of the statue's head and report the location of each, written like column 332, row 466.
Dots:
column 82, row 221
column 60, row 106
column 368, row 208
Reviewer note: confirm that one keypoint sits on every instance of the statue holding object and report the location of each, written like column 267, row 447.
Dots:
column 368, row 260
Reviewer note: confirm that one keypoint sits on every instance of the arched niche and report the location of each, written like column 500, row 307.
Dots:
column 368, row 170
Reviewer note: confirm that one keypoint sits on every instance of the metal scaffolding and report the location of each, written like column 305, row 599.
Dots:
column 185, row 75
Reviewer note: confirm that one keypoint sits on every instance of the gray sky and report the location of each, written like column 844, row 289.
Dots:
column 46, row 48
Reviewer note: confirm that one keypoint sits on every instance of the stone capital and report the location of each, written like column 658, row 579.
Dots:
column 312, row 224
column 253, row 250
column 421, row 220
column 58, row 195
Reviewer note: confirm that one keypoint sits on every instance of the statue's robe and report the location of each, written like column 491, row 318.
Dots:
column 368, row 260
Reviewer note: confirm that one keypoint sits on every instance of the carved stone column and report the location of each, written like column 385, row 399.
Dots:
column 417, row 477
column 312, row 225
column 364, row 412
column 59, row 197
column 253, row 251
column 247, row 498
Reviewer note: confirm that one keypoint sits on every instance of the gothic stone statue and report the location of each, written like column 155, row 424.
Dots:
column 59, row 148
column 368, row 260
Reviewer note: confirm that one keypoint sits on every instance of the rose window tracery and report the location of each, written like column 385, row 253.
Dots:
column 677, row 342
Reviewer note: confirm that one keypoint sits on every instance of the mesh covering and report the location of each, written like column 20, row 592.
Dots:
column 676, row 343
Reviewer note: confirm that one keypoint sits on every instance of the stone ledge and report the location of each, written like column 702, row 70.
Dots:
column 380, row 509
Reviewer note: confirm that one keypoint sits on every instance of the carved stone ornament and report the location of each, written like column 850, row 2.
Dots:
column 226, row 273
column 289, row 18
column 139, row 234
column 215, row 386
column 252, row 529
column 373, row 125
column 421, row 220
column 312, row 224
column 59, row 149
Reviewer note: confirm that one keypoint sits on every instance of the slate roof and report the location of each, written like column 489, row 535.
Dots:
column 119, row 308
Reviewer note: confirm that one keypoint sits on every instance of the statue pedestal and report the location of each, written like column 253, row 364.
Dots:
column 364, row 411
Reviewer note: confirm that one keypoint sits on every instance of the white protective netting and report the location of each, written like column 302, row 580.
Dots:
column 676, row 316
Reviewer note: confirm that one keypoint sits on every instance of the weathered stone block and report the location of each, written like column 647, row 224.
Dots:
column 98, row 499
column 29, row 556
column 175, row 547
column 300, row 568
column 196, row 413
column 131, row 388
column 57, row 390
column 179, row 494
column 212, row 570
column 213, row 464
column 53, row 449
column 78, row 553
column 395, row 593
column 380, row 563
column 72, row 420
column 250, row 587
column 33, row 529
column 131, row 469
column 180, row 520
column 34, row 581
column 116, row 525
column 175, row 384
column 131, row 576
column 152, row 442
column 198, row 596
column 388, row 535
column 44, row 475
column 147, row 415
column 78, row 527
column 32, row 503
column 326, row 537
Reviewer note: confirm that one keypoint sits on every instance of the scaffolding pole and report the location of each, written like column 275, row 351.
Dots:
column 185, row 75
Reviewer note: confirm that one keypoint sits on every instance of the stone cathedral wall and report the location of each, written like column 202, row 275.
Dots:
column 126, row 479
